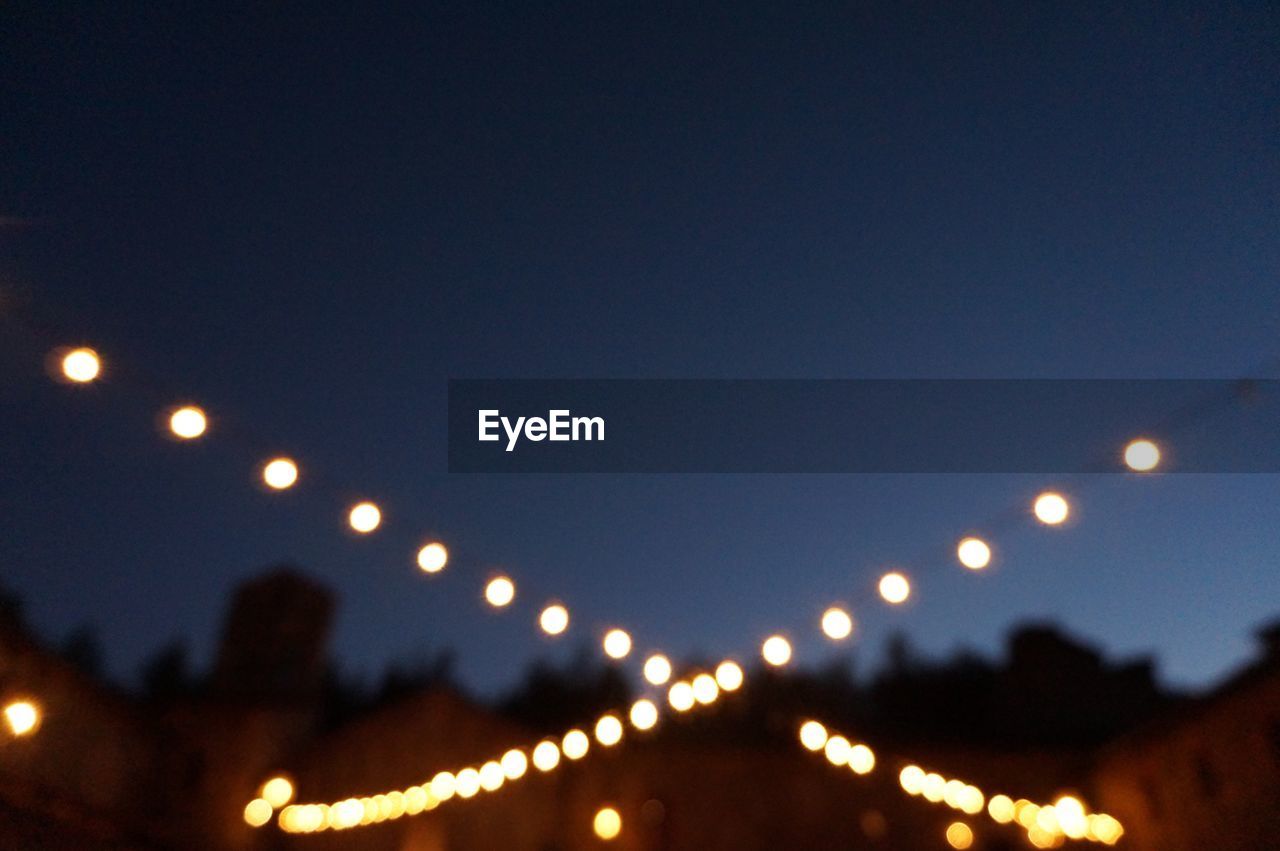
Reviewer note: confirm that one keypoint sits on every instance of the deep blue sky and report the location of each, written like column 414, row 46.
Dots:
column 308, row 221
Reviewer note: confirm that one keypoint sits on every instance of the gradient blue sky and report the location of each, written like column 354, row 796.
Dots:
column 310, row 222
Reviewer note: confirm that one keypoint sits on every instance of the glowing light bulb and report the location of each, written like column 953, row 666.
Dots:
column 813, row 735
column 492, row 776
column 657, row 669
column 81, row 365
column 514, row 764
column 837, row 624
column 680, row 696
column 415, row 800
column 1051, row 508
column 1000, row 808
column 188, row 422
column 554, row 619
column 607, row 824
column 837, row 750
column 776, row 650
column 280, row 473
column 861, row 759
column 443, row 786
column 433, row 557
column 364, row 517
column 22, row 717
column 912, row 779
column 959, row 835
column 1071, row 817
column 546, row 756
column 500, row 592
column 644, row 714
column 894, row 588
column 277, row 791
column 608, row 730
column 617, row 644
column 468, row 783
column 729, row 675
column 705, row 689
column 257, row 813
column 1141, row 456
column 974, row 553
column 575, row 744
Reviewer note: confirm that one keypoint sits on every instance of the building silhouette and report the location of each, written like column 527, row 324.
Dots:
column 110, row 770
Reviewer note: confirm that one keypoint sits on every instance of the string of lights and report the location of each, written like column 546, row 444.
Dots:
column 1046, row 825
column 83, row 365
column 685, row 695
column 1052, row 508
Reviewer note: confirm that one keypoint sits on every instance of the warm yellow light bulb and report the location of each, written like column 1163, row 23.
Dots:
column 364, row 517
column 1000, row 808
column 607, row 824
column 81, row 365
column 959, row 835
column 22, row 717
column 861, row 759
column 280, row 473
column 644, row 714
column 433, row 557
column 1142, row 456
column 608, row 730
column 554, row 619
column 1051, row 508
column 443, row 785
column 837, row 750
column 894, row 588
column 680, row 696
column 575, row 744
column 836, row 624
column 546, row 756
column 776, row 650
column 617, row 644
column 500, row 592
column 729, row 675
column 468, row 783
column 492, row 776
column 705, row 689
column 657, row 669
column 514, row 764
column 813, row 735
column 974, row 553
column 188, row 422
column 257, row 813
column 277, row 791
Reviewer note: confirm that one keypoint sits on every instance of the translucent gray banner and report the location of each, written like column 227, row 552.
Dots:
column 857, row 426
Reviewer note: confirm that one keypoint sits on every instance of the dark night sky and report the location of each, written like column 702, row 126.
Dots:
column 308, row 221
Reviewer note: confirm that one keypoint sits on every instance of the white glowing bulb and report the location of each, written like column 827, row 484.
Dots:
column 433, row 557
column 364, row 517
column 81, row 365
column 1142, row 455
column 974, row 553
column 837, row 624
column 894, row 588
column 776, row 650
column 617, row 644
column 657, row 669
column 500, row 592
column 1051, row 508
